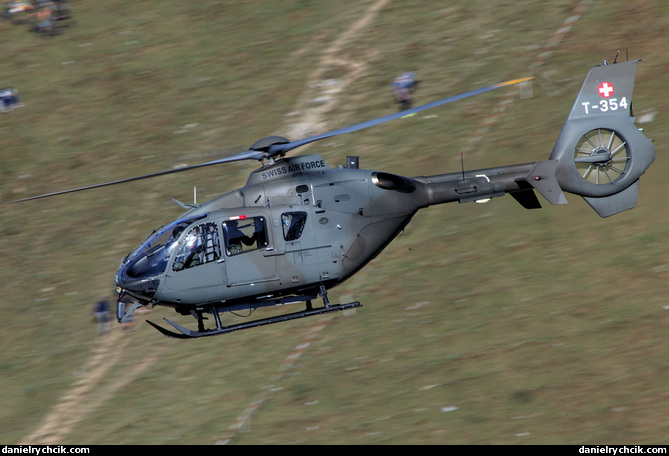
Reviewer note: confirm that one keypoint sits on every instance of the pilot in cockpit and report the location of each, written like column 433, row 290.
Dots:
column 236, row 237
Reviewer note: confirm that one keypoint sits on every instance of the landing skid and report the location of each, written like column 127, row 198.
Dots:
column 185, row 333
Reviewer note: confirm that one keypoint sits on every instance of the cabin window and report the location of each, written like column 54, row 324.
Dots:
column 245, row 234
column 199, row 246
column 293, row 224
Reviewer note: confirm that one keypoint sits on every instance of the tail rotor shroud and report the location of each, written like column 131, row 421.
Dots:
column 602, row 156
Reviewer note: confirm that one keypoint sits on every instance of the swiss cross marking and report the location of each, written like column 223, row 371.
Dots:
column 605, row 89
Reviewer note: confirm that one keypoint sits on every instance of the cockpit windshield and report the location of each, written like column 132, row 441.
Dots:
column 151, row 257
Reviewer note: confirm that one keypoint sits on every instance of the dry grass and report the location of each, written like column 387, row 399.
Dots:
column 481, row 324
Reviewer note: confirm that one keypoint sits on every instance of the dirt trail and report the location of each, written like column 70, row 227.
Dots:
column 87, row 394
column 320, row 96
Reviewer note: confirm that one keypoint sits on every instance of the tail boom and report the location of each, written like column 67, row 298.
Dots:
column 599, row 155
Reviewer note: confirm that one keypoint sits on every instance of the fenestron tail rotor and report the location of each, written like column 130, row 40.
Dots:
column 273, row 147
column 602, row 156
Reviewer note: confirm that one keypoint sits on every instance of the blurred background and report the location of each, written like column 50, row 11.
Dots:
column 481, row 324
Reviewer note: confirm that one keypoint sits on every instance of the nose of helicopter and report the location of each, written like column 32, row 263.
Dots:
column 135, row 277
column 141, row 271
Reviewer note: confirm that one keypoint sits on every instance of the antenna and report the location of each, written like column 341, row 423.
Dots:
column 194, row 195
column 462, row 163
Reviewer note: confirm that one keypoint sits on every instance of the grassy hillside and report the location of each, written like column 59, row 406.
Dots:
column 480, row 324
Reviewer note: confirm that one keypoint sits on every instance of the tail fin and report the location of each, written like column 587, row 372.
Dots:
column 600, row 153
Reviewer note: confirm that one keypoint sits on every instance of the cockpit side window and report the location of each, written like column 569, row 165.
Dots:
column 244, row 235
column 201, row 245
column 293, row 224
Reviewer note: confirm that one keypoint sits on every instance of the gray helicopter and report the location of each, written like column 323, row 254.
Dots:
column 300, row 227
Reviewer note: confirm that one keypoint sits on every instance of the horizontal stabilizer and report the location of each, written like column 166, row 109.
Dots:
column 542, row 178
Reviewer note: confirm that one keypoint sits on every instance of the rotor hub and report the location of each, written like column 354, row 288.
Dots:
column 601, row 156
column 264, row 144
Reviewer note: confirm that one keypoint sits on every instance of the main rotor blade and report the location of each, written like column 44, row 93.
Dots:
column 280, row 149
column 283, row 148
column 250, row 154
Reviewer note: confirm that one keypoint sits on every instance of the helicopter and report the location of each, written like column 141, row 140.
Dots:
column 299, row 227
